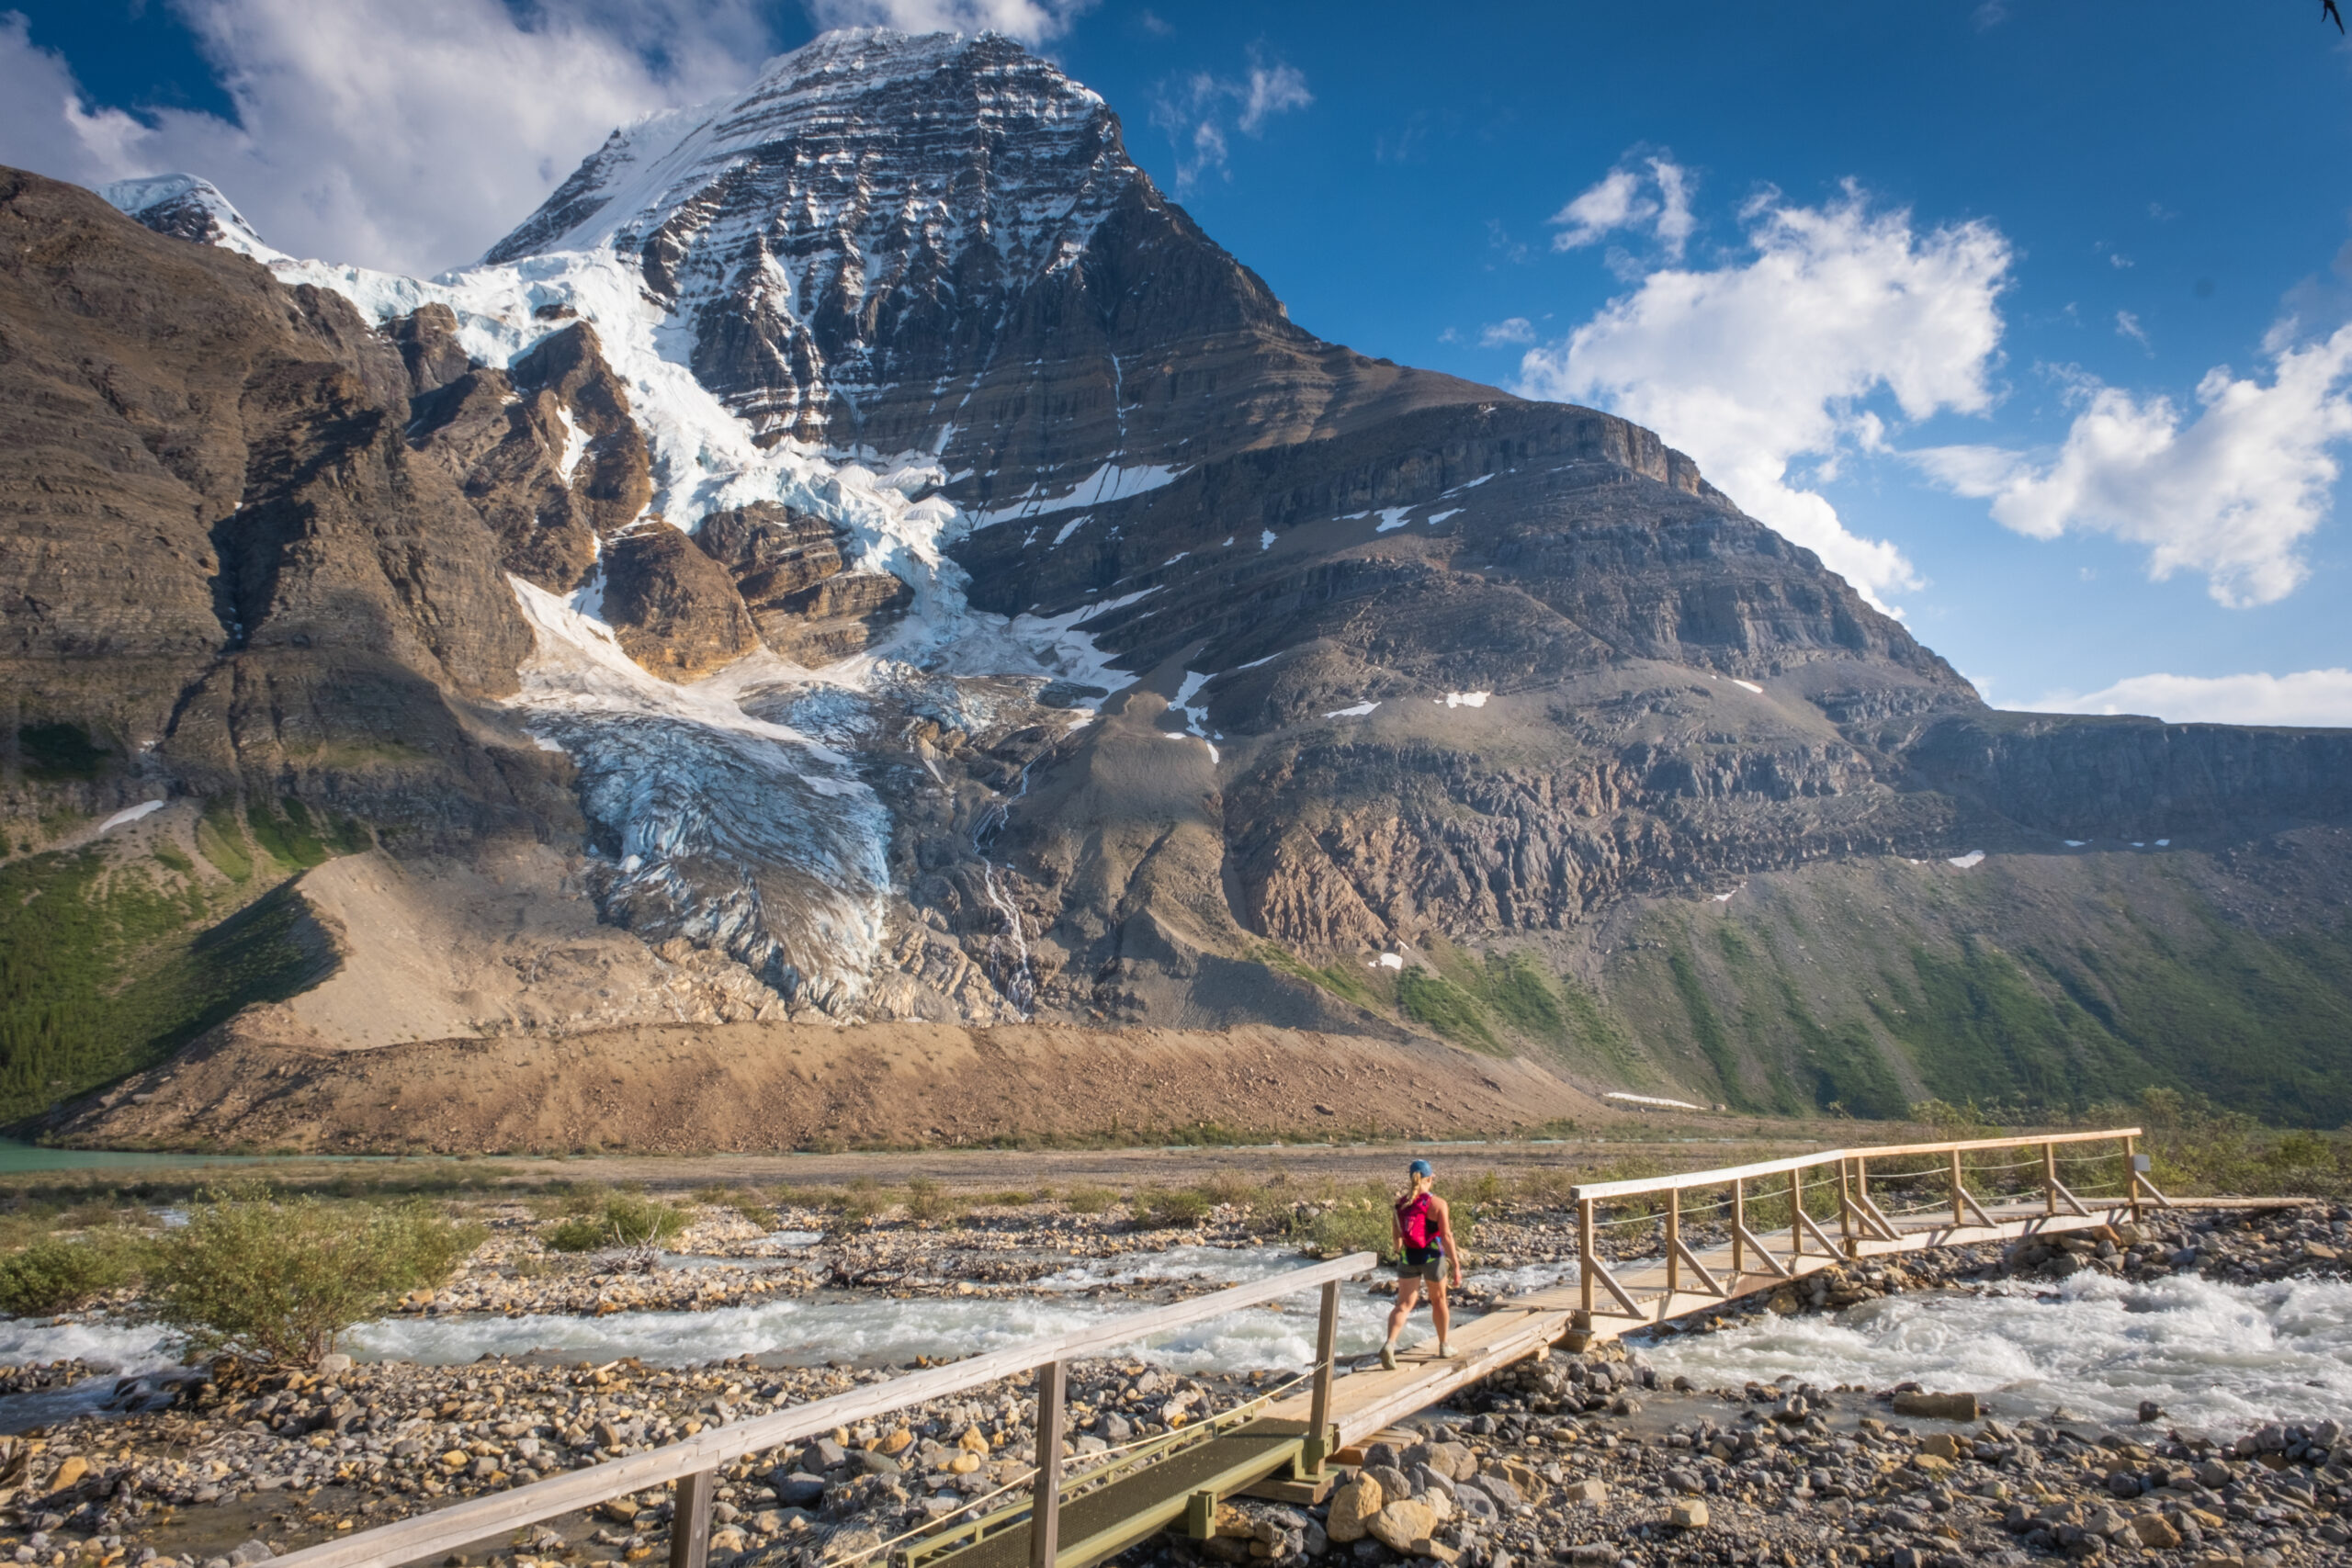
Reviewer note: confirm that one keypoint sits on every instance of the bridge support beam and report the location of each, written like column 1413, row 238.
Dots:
column 1327, row 1347
column 690, row 1518
column 1045, row 1491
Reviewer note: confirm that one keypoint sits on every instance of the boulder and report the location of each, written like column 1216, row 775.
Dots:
column 1690, row 1516
column 1452, row 1460
column 1400, row 1523
column 1352, row 1508
column 1927, row 1406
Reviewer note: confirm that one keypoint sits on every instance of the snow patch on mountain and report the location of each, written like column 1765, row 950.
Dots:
column 1108, row 483
column 190, row 209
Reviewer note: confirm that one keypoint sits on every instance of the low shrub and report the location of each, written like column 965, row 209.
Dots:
column 621, row 1219
column 1353, row 1225
column 60, row 1274
column 1086, row 1199
column 278, row 1279
column 863, row 1199
column 927, row 1200
column 1169, row 1207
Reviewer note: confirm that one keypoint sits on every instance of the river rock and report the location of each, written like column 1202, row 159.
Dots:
column 1453, row 1460
column 1400, row 1523
column 1926, row 1406
column 1352, row 1508
column 1689, row 1516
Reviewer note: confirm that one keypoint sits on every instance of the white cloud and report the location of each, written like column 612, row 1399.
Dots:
column 2230, row 493
column 2128, row 325
column 1621, row 201
column 1031, row 21
column 1615, row 203
column 1512, row 329
column 2305, row 697
column 1196, row 110
column 1762, row 362
column 404, row 134
column 1273, row 90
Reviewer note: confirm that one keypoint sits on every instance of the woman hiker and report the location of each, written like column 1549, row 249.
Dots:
column 1423, row 1231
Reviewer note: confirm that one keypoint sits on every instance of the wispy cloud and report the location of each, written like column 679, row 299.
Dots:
column 1031, row 21
column 2307, row 697
column 2128, row 325
column 1644, row 195
column 1512, row 329
column 1199, row 112
column 1768, row 359
column 2230, row 491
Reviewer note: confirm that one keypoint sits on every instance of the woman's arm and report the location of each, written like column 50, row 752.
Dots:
column 1445, row 1229
column 1397, row 1228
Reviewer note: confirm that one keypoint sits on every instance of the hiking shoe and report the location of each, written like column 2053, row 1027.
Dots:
column 1444, row 1351
column 1389, row 1357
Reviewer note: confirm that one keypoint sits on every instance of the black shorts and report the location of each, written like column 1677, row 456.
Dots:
column 1423, row 1263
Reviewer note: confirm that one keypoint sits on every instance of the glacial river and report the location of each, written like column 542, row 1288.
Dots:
column 2220, row 1356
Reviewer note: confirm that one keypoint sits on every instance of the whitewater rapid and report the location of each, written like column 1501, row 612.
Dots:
column 2224, row 1357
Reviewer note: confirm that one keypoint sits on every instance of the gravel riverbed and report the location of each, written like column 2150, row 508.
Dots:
column 1580, row 1457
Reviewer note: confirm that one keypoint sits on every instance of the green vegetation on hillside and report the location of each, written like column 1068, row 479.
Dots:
column 1707, row 1030
column 1865, row 987
column 106, row 969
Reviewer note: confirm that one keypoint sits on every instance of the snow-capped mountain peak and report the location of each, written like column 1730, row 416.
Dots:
column 190, row 208
column 867, row 215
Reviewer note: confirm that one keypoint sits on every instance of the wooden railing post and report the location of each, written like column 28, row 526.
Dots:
column 1584, row 1254
column 2050, row 1179
column 1327, row 1345
column 690, row 1519
column 1045, row 1491
column 1846, row 1205
column 2132, row 1175
column 1958, row 1215
column 1796, row 1213
column 1738, row 1227
column 1673, row 1248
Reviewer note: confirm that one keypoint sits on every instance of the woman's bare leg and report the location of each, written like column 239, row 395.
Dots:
column 1408, row 1292
column 1438, row 1310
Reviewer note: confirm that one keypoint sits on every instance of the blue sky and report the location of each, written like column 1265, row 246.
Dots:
column 2026, row 315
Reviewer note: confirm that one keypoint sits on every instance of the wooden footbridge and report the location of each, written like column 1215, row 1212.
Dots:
column 1707, row 1238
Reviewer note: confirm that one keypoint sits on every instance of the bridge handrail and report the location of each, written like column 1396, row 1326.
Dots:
column 1600, row 1191
column 443, row 1529
column 1860, row 1223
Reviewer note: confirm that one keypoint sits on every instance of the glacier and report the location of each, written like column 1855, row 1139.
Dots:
column 740, row 833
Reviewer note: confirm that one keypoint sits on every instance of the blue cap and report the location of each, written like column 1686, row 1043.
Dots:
column 1420, row 1167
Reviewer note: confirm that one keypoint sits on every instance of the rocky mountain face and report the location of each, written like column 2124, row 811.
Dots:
column 940, row 245
column 860, row 552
